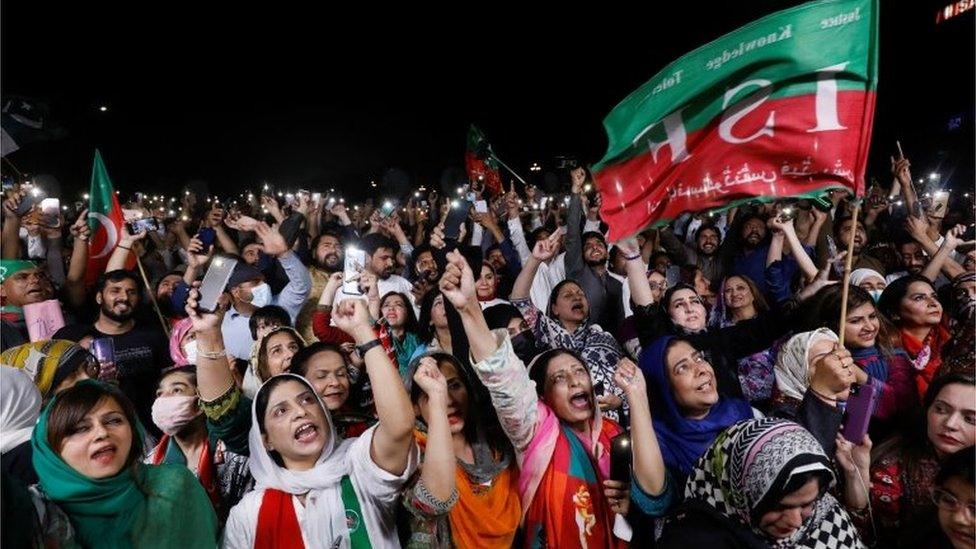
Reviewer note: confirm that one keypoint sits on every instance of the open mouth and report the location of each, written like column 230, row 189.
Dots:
column 580, row 400
column 104, row 455
column 306, row 433
column 705, row 387
column 454, row 418
column 578, row 307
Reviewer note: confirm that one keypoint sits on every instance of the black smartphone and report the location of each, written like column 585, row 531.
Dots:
column 455, row 218
column 621, row 457
column 215, row 282
column 32, row 198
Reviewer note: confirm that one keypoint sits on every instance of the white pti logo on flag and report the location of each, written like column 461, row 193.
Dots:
column 110, row 232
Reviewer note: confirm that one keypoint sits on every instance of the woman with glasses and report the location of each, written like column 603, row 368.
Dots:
column 955, row 497
column 567, row 325
column 903, row 469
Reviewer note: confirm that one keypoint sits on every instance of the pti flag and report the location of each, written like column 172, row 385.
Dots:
column 105, row 220
column 481, row 163
column 780, row 107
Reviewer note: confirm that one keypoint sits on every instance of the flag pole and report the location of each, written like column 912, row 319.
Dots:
column 504, row 165
column 845, row 288
column 152, row 295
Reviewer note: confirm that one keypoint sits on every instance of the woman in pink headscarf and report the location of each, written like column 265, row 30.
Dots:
column 183, row 343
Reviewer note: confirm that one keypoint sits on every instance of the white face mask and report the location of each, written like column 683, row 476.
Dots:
column 261, row 295
column 875, row 294
column 190, row 350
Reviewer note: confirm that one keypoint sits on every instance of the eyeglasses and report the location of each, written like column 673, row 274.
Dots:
column 947, row 502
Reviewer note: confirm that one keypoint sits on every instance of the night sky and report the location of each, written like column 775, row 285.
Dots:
column 310, row 100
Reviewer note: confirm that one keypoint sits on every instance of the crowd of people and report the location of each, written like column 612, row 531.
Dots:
column 515, row 381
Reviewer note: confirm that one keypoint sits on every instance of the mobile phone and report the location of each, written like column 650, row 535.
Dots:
column 787, row 214
column 355, row 262
column 207, row 235
column 621, row 457
column 140, row 226
column 860, row 407
column 455, row 218
column 34, row 195
column 598, row 388
column 215, row 282
column 51, row 212
column 317, row 198
column 104, row 350
column 481, row 206
column 387, row 209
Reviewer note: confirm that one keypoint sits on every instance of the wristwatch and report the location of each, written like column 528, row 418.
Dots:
column 367, row 346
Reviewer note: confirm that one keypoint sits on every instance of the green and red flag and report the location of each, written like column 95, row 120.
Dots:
column 781, row 107
column 481, row 163
column 105, row 219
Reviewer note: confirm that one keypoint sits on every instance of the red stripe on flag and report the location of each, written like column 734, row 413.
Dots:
column 639, row 191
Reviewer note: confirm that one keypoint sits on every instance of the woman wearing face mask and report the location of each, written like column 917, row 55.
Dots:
column 763, row 483
column 561, row 441
column 567, row 326
column 311, row 480
column 187, row 442
column 325, row 367
column 913, row 306
column 870, row 281
column 874, row 345
column 508, row 317
column 466, row 493
column 903, row 469
column 87, row 448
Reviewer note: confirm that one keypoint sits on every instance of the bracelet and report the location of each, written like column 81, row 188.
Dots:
column 213, row 355
column 631, row 258
column 124, row 247
column 367, row 346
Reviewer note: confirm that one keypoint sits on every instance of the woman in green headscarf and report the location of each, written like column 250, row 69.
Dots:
column 87, row 447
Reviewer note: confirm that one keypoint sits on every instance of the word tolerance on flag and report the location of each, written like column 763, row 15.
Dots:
column 782, row 107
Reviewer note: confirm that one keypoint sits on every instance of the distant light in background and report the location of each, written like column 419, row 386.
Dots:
column 103, row 108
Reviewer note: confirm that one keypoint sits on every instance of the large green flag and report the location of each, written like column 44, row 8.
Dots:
column 104, row 218
column 780, row 107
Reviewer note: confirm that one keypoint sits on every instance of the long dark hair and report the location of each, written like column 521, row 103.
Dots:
column 826, row 311
column 913, row 444
column 73, row 404
column 263, row 349
column 539, row 367
column 411, row 324
column 424, row 328
column 480, row 417
column 890, row 301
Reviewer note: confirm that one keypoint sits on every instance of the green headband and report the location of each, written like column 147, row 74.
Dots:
column 10, row 267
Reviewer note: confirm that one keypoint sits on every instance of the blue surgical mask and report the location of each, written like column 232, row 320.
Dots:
column 261, row 295
column 875, row 294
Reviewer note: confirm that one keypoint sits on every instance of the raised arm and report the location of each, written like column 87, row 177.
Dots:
column 493, row 359
column 807, row 266
column 941, row 260
column 125, row 248
column 74, row 285
column 574, row 239
column 544, row 250
column 394, row 435
column 214, row 377
column 10, row 244
column 640, row 288
column 648, row 465
column 439, row 467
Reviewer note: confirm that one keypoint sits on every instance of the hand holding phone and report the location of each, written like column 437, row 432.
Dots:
column 215, row 282
column 456, row 215
column 860, row 407
column 355, row 262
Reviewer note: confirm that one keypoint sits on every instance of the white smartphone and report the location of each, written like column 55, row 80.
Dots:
column 354, row 265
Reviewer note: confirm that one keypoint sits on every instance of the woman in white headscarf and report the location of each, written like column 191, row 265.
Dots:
column 797, row 362
column 20, row 406
column 870, row 281
column 313, row 489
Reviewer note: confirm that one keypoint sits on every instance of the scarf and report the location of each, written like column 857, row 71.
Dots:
column 48, row 362
column 326, row 524
column 20, row 407
column 743, row 475
column 485, row 515
column 177, row 334
column 871, row 361
column 569, row 509
column 168, row 451
column 793, row 363
column 141, row 506
column 925, row 355
column 682, row 440
column 860, row 275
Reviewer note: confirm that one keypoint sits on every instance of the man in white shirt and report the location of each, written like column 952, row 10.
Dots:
column 381, row 261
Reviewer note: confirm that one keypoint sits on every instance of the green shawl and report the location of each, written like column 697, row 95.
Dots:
column 142, row 506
